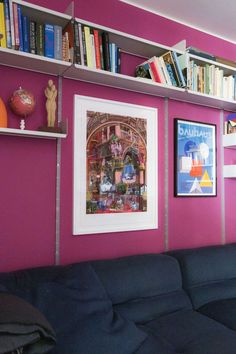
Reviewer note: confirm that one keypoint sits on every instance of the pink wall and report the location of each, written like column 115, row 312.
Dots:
column 28, row 166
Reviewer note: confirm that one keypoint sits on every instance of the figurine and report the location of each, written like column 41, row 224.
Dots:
column 51, row 106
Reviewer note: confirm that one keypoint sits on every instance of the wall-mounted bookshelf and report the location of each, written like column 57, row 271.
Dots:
column 127, row 43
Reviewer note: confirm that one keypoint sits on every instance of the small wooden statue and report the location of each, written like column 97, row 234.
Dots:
column 51, row 106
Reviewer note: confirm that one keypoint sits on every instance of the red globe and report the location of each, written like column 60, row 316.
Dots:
column 22, row 102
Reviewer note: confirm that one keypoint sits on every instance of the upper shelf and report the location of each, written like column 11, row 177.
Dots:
column 128, row 43
column 31, row 133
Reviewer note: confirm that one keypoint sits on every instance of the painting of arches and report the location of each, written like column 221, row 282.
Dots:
column 116, row 163
column 115, row 166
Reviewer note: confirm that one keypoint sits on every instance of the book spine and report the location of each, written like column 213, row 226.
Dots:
column 16, row 27
column 3, row 42
column 106, row 51
column 118, row 60
column 12, row 24
column 40, row 39
column 88, row 45
column 84, row 46
column 97, row 49
column 58, row 42
column 77, row 56
column 20, row 28
column 7, row 23
column 93, row 49
column 101, row 51
column 25, row 26
column 32, row 36
column 178, row 69
column 49, row 40
column 165, row 72
column 81, row 44
column 153, row 71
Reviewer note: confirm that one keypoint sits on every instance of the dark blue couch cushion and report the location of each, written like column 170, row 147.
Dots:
column 191, row 332
column 209, row 273
column 155, row 345
column 76, row 304
column 143, row 287
column 223, row 311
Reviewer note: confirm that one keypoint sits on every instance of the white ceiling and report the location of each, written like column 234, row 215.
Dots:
column 217, row 17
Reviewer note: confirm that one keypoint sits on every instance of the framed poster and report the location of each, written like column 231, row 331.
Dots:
column 115, row 166
column 195, row 159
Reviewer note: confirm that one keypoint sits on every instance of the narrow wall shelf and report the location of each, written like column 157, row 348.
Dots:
column 229, row 171
column 229, row 141
column 32, row 133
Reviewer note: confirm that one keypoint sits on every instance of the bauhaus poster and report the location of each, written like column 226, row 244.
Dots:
column 195, row 158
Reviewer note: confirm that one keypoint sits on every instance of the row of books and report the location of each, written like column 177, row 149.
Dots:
column 169, row 69
column 21, row 33
column 76, row 43
column 93, row 48
column 210, row 79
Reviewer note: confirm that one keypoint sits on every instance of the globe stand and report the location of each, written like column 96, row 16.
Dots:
column 22, row 124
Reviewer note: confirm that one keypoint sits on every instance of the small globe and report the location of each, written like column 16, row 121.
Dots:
column 22, row 103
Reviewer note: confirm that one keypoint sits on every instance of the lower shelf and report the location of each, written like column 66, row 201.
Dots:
column 229, row 171
column 31, row 133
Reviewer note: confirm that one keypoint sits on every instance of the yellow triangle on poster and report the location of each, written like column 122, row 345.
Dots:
column 205, row 181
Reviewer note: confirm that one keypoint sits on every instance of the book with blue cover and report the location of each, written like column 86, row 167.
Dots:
column 49, row 40
column 25, row 28
column 20, row 28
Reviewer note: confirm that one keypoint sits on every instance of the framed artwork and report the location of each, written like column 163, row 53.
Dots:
column 115, row 166
column 195, row 158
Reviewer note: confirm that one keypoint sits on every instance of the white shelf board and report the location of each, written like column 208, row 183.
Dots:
column 146, row 86
column 31, row 133
column 229, row 141
column 107, row 78
column 32, row 62
column 229, row 171
column 211, row 101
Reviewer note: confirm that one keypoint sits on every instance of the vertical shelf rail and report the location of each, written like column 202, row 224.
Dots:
column 166, row 232
column 222, row 178
column 58, row 179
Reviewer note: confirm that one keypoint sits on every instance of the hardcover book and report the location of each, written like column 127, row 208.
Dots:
column 40, row 39
column 58, row 42
column 49, row 41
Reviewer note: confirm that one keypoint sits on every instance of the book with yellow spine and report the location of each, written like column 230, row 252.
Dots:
column 3, row 41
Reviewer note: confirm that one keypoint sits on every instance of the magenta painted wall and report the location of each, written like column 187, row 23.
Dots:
column 28, row 166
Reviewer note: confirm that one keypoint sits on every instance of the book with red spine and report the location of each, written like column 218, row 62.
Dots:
column 155, row 75
column 97, row 49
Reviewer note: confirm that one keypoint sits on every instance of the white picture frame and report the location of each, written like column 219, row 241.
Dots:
column 95, row 206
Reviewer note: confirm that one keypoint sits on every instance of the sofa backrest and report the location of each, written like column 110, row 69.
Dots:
column 143, row 287
column 209, row 273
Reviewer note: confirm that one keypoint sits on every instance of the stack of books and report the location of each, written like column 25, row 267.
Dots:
column 169, row 69
column 211, row 80
column 22, row 33
column 94, row 49
column 75, row 43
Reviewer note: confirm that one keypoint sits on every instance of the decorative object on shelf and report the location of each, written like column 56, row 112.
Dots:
column 195, row 159
column 22, row 103
column 51, row 106
column 3, row 114
column 115, row 189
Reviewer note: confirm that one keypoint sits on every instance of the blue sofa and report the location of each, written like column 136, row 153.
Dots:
column 181, row 302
